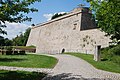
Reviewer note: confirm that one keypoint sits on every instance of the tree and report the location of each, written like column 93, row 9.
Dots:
column 107, row 14
column 1, row 41
column 26, row 35
column 21, row 40
column 57, row 15
column 5, row 41
column 14, row 11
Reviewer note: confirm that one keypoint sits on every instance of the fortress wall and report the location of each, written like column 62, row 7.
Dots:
column 55, row 36
column 66, row 33
column 33, row 37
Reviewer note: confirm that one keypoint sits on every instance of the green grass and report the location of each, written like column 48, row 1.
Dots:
column 24, row 47
column 103, row 65
column 20, row 75
column 29, row 60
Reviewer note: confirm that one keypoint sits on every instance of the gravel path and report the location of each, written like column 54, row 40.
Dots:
column 70, row 68
column 73, row 68
column 44, row 70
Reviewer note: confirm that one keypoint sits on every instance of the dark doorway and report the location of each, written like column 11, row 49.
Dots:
column 63, row 50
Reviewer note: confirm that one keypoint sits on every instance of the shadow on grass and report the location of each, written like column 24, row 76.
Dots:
column 17, row 75
column 104, row 59
column 10, row 59
column 69, row 76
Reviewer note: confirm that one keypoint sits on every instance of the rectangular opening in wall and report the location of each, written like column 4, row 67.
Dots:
column 75, row 25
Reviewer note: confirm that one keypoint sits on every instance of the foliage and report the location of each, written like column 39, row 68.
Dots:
column 31, row 46
column 8, row 42
column 21, row 75
column 24, row 47
column 105, row 54
column 29, row 60
column 15, row 11
column 21, row 40
column 107, row 14
column 8, row 52
column 5, row 41
column 57, row 15
column 116, row 59
column 21, row 52
column 26, row 35
column 112, row 53
column 1, row 41
column 8, row 48
column 103, row 65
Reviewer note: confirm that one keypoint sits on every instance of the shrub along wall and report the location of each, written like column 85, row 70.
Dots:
column 16, row 50
column 111, row 53
column 10, row 52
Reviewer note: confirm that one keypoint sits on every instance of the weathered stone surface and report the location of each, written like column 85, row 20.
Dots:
column 75, row 32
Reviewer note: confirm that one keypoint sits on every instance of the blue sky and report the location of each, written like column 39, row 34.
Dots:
column 53, row 6
column 46, row 8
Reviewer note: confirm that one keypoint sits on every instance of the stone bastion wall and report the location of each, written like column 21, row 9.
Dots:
column 74, row 32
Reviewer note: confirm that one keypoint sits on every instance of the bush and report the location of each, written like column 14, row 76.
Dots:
column 1, row 47
column 15, row 52
column 111, row 53
column 3, row 52
column 31, row 46
column 9, row 48
column 21, row 52
column 8, row 52
column 116, row 50
column 116, row 59
column 104, row 53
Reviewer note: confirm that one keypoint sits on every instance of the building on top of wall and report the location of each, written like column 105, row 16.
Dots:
column 74, row 32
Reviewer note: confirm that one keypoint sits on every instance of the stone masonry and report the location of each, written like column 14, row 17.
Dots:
column 75, row 32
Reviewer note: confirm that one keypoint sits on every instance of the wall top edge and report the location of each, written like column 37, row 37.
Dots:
column 59, row 18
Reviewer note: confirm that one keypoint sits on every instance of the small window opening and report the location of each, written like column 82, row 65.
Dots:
column 75, row 25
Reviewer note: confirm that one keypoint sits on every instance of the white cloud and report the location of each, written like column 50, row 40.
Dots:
column 14, row 29
column 49, row 16
column 61, row 12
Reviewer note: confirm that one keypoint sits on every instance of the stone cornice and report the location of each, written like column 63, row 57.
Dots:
column 57, row 19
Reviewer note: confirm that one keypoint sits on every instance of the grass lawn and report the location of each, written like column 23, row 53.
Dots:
column 103, row 65
column 29, row 60
column 20, row 75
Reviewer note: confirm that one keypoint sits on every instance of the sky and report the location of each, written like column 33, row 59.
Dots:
column 46, row 9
